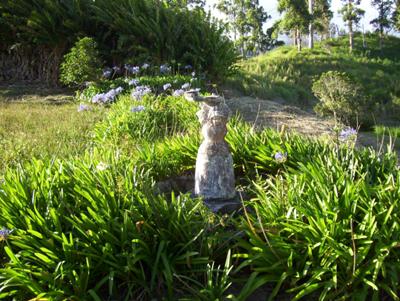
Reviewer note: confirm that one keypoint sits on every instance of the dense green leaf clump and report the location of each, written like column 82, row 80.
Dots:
column 341, row 96
column 148, row 119
column 81, row 63
column 320, row 220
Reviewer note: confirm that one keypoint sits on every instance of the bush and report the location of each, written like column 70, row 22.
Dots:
column 81, row 64
column 340, row 96
column 151, row 118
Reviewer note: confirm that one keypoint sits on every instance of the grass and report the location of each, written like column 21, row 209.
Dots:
column 322, row 224
column 33, row 126
column 394, row 132
column 288, row 74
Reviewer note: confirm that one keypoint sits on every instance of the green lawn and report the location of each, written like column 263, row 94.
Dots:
column 36, row 124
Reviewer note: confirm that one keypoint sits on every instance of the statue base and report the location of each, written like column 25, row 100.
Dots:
column 222, row 206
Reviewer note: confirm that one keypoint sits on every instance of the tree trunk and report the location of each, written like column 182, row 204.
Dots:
column 351, row 38
column 363, row 38
column 380, row 36
column 298, row 40
column 311, row 26
column 350, row 25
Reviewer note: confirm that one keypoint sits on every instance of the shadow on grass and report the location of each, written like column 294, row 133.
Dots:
column 34, row 92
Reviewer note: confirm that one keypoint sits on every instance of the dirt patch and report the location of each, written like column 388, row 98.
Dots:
column 265, row 113
column 276, row 114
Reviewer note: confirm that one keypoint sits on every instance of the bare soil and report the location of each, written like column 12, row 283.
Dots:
column 277, row 114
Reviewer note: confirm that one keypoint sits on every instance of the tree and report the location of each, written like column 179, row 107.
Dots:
column 322, row 17
column 296, row 18
column 382, row 22
column 246, row 19
column 351, row 14
column 311, row 25
column 186, row 3
column 396, row 16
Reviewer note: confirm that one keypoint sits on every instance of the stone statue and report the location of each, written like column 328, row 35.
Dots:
column 214, row 176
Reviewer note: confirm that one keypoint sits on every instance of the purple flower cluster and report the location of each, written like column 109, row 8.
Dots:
column 133, row 82
column 348, row 134
column 107, row 73
column 83, row 107
column 185, row 86
column 178, row 93
column 106, row 98
column 132, row 69
column 137, row 109
column 140, row 91
column 280, row 157
column 165, row 69
column 167, row 86
column 4, row 233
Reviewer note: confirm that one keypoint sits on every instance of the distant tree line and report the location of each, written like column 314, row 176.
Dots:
column 35, row 34
column 301, row 17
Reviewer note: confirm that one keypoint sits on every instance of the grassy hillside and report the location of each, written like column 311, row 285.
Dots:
column 288, row 74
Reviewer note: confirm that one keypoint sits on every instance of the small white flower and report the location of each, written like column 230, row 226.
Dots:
column 102, row 166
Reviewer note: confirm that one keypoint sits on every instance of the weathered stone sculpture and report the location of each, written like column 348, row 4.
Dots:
column 214, row 176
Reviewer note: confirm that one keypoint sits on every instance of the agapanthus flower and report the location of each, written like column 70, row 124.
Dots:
column 105, row 98
column 193, row 74
column 188, row 67
column 167, row 86
column 116, row 68
column 348, row 134
column 133, row 82
column 83, row 107
column 4, row 234
column 165, row 69
column 135, row 70
column 127, row 67
column 140, row 91
column 107, row 73
column 145, row 66
column 186, row 86
column 137, row 109
column 280, row 157
column 178, row 92
column 99, row 98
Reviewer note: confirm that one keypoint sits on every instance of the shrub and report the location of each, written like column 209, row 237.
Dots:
column 340, row 96
column 151, row 118
column 81, row 64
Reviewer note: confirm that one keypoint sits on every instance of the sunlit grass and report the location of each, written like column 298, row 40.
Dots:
column 43, row 130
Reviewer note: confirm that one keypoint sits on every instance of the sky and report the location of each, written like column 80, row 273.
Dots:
column 270, row 7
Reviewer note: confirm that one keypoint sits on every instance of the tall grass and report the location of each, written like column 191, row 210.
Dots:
column 285, row 73
column 43, row 131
